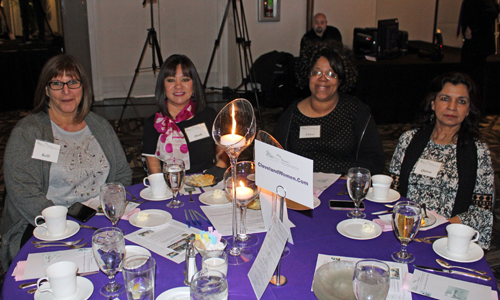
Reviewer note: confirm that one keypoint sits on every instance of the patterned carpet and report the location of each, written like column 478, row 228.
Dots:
column 130, row 134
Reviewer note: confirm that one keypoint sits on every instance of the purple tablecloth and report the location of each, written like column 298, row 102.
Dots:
column 315, row 233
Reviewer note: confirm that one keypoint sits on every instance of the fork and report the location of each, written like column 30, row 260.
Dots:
column 58, row 245
column 135, row 199
column 57, row 242
column 343, row 192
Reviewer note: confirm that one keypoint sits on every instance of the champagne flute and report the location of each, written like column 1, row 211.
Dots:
column 406, row 217
column 234, row 130
column 174, row 172
column 371, row 280
column 358, row 183
column 246, row 192
column 108, row 246
column 113, row 201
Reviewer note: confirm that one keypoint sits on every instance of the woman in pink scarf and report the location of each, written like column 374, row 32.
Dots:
column 183, row 127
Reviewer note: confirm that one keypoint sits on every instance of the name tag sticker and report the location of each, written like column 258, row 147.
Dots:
column 428, row 167
column 46, row 151
column 197, row 132
column 307, row 132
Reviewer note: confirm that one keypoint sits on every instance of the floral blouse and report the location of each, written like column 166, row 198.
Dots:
column 439, row 193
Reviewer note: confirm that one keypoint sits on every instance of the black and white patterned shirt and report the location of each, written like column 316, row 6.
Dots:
column 439, row 193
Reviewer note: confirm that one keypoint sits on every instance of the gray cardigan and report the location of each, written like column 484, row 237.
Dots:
column 27, row 179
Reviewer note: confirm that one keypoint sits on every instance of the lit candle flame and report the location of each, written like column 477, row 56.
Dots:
column 234, row 121
column 241, row 184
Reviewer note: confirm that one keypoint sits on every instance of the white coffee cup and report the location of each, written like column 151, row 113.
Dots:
column 459, row 238
column 381, row 185
column 157, row 184
column 62, row 278
column 55, row 220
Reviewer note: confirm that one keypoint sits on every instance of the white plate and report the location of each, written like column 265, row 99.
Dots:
column 352, row 229
column 131, row 250
column 42, row 233
column 393, row 196
column 180, row 293
column 208, row 199
column 84, row 290
column 296, row 206
column 146, row 194
column 475, row 252
column 156, row 218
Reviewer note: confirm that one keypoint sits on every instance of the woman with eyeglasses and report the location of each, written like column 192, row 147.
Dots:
column 332, row 128
column 61, row 153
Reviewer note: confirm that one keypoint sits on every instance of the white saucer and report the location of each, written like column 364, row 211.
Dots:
column 208, row 199
column 146, row 194
column 42, row 233
column 352, row 229
column 393, row 196
column 475, row 252
column 156, row 217
column 84, row 290
column 179, row 293
column 296, row 206
column 131, row 250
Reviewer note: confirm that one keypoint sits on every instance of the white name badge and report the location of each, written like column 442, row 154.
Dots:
column 46, row 151
column 428, row 167
column 197, row 132
column 307, row 132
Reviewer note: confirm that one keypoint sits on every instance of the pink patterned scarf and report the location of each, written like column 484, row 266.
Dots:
column 172, row 143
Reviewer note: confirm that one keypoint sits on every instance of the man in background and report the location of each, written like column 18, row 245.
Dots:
column 321, row 31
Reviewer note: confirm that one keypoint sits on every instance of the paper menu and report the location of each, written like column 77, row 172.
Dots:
column 168, row 241
column 322, row 181
column 398, row 272
column 38, row 262
column 440, row 287
column 269, row 255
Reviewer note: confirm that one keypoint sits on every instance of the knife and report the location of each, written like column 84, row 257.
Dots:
column 382, row 212
column 436, row 270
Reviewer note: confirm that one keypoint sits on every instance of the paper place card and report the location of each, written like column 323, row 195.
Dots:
column 46, row 151
column 292, row 173
column 440, row 287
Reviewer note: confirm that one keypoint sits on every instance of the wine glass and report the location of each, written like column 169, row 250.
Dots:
column 174, row 172
column 358, row 183
column 406, row 217
column 234, row 130
column 246, row 192
column 108, row 246
column 371, row 280
column 113, row 201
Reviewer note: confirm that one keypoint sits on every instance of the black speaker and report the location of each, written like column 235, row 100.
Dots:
column 365, row 42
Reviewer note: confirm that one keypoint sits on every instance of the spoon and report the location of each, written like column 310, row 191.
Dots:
column 389, row 205
column 446, row 265
column 69, row 246
column 425, row 210
column 57, row 242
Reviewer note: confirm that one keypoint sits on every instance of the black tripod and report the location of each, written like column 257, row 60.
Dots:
column 152, row 40
column 245, row 54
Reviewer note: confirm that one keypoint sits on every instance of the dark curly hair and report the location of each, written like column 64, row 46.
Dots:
column 469, row 129
column 340, row 59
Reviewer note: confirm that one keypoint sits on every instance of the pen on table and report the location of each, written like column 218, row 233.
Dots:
column 192, row 219
column 197, row 220
column 187, row 219
column 201, row 216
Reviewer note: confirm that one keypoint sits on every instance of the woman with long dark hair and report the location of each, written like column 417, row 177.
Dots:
column 183, row 126
column 442, row 163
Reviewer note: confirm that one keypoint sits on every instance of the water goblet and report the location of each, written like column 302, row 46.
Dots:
column 358, row 183
column 406, row 217
column 234, row 130
column 113, row 201
column 246, row 192
column 174, row 172
column 108, row 246
column 371, row 280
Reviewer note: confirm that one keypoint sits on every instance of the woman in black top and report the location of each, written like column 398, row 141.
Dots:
column 334, row 129
column 183, row 127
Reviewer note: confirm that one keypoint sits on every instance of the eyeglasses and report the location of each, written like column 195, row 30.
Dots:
column 328, row 75
column 59, row 85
